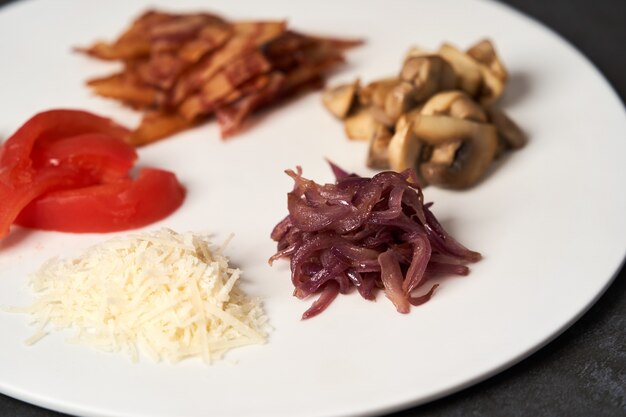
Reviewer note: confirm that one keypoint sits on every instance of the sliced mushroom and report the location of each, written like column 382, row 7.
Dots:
column 468, row 109
column 375, row 92
column 440, row 104
column 380, row 116
column 444, row 153
column 361, row 125
column 415, row 52
column 404, row 149
column 508, row 130
column 456, row 104
column 492, row 87
column 378, row 156
column 493, row 71
column 436, row 130
column 429, row 74
column 399, row 100
column 485, row 53
column 406, row 117
column 468, row 71
column 478, row 143
column 339, row 100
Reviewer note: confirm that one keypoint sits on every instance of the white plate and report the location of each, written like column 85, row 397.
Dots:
column 550, row 221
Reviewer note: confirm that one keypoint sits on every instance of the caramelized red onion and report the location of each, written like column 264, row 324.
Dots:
column 365, row 233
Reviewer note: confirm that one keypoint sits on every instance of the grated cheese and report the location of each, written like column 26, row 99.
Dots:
column 165, row 294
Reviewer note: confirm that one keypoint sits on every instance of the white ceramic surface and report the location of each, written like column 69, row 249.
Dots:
column 549, row 221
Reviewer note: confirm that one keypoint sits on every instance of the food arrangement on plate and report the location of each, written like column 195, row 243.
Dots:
column 170, row 295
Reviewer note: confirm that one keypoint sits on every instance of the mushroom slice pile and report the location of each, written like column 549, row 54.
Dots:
column 437, row 115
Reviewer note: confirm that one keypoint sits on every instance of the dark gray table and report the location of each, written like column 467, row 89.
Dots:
column 583, row 372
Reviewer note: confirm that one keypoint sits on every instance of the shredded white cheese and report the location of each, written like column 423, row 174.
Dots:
column 166, row 294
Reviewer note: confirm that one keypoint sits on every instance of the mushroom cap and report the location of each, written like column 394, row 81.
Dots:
column 493, row 71
column 508, row 130
column 339, row 100
column 361, row 125
column 485, row 53
column 378, row 155
column 399, row 100
column 445, row 153
column 381, row 116
column 437, row 130
column 467, row 70
column 415, row 51
column 408, row 116
column 429, row 74
column 404, row 149
column 375, row 92
column 492, row 87
column 478, row 144
column 456, row 104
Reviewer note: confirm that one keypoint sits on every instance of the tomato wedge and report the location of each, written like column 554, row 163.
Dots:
column 107, row 207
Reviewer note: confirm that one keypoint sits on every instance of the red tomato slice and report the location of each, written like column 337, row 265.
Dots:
column 67, row 170
column 14, row 199
column 101, row 156
column 78, row 161
column 48, row 126
column 104, row 156
column 108, row 207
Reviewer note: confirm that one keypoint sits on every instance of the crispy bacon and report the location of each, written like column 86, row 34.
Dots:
column 183, row 68
column 248, row 35
column 231, row 117
column 223, row 83
column 133, row 43
column 157, row 125
column 209, row 39
column 126, row 87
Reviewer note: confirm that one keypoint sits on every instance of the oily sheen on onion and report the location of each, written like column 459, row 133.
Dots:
column 365, row 233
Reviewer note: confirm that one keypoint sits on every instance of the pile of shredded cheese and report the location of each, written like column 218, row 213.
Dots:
column 165, row 294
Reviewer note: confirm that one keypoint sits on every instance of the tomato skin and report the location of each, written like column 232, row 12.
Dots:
column 101, row 156
column 45, row 128
column 109, row 207
column 14, row 199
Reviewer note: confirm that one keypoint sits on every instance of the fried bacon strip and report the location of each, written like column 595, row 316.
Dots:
column 126, row 87
column 157, row 125
column 181, row 69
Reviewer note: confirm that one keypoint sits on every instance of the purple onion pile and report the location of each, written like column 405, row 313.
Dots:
column 369, row 233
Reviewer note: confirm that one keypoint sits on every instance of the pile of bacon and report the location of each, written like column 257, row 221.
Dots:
column 181, row 68
column 365, row 233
